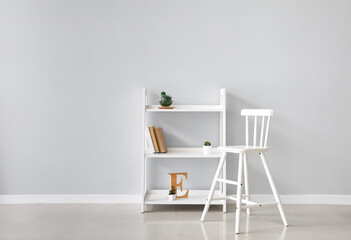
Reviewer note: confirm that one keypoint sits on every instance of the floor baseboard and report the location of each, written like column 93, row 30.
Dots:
column 306, row 199
column 70, row 198
column 135, row 198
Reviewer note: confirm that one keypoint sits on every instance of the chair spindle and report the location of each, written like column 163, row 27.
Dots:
column 267, row 128
column 255, row 131
column 262, row 131
column 247, row 130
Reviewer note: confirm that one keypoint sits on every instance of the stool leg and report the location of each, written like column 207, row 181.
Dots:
column 224, row 190
column 247, row 184
column 274, row 189
column 213, row 186
column 239, row 194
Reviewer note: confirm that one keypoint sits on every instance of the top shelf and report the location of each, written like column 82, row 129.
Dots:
column 186, row 108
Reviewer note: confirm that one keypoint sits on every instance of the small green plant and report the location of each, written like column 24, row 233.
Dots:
column 207, row 143
column 165, row 100
column 172, row 191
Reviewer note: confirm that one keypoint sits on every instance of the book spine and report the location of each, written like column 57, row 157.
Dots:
column 153, row 137
column 150, row 144
column 161, row 140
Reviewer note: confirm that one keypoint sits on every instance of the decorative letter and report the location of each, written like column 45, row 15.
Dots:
column 180, row 184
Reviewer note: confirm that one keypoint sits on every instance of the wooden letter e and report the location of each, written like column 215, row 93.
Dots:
column 180, row 184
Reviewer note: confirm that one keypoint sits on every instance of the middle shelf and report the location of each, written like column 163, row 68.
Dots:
column 185, row 153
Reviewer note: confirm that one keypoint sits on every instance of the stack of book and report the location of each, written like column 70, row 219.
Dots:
column 156, row 140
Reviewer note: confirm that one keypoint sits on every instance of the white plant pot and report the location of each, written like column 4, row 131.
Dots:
column 171, row 197
column 207, row 149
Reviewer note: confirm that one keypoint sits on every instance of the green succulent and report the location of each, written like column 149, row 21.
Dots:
column 207, row 143
column 165, row 100
column 172, row 191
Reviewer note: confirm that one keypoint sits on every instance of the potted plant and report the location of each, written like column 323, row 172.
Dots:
column 207, row 147
column 172, row 194
column 165, row 100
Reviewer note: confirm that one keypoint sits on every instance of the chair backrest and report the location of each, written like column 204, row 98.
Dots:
column 262, row 114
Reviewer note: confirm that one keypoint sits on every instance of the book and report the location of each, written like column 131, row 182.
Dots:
column 153, row 138
column 161, row 140
column 149, row 144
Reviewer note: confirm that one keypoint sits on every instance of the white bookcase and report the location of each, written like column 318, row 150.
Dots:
column 196, row 197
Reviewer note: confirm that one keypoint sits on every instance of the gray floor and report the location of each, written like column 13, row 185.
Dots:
column 124, row 221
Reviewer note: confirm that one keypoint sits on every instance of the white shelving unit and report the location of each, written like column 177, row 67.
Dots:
column 196, row 197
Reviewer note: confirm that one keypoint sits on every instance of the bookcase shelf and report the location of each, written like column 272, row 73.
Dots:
column 186, row 108
column 196, row 197
column 184, row 153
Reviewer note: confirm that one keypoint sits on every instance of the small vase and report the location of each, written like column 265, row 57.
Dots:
column 206, row 149
column 165, row 103
column 171, row 197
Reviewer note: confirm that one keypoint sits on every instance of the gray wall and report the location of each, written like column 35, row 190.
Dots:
column 71, row 74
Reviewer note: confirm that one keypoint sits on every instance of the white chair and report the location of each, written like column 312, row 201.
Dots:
column 243, row 168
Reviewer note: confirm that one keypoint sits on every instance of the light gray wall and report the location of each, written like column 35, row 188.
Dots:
column 71, row 74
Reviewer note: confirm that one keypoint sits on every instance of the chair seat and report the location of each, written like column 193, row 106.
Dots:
column 243, row 149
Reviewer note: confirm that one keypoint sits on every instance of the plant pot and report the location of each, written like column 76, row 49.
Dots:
column 206, row 149
column 171, row 197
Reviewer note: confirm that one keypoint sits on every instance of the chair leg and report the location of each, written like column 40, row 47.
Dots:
column 239, row 194
column 213, row 186
column 247, row 184
column 274, row 189
column 224, row 188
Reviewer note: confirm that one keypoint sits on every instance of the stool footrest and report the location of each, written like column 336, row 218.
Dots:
column 233, row 197
column 259, row 205
column 220, row 198
column 226, row 198
column 226, row 181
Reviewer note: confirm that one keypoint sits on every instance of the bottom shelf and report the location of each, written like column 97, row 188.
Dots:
column 196, row 197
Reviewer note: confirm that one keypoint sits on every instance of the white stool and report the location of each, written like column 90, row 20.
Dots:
column 243, row 151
